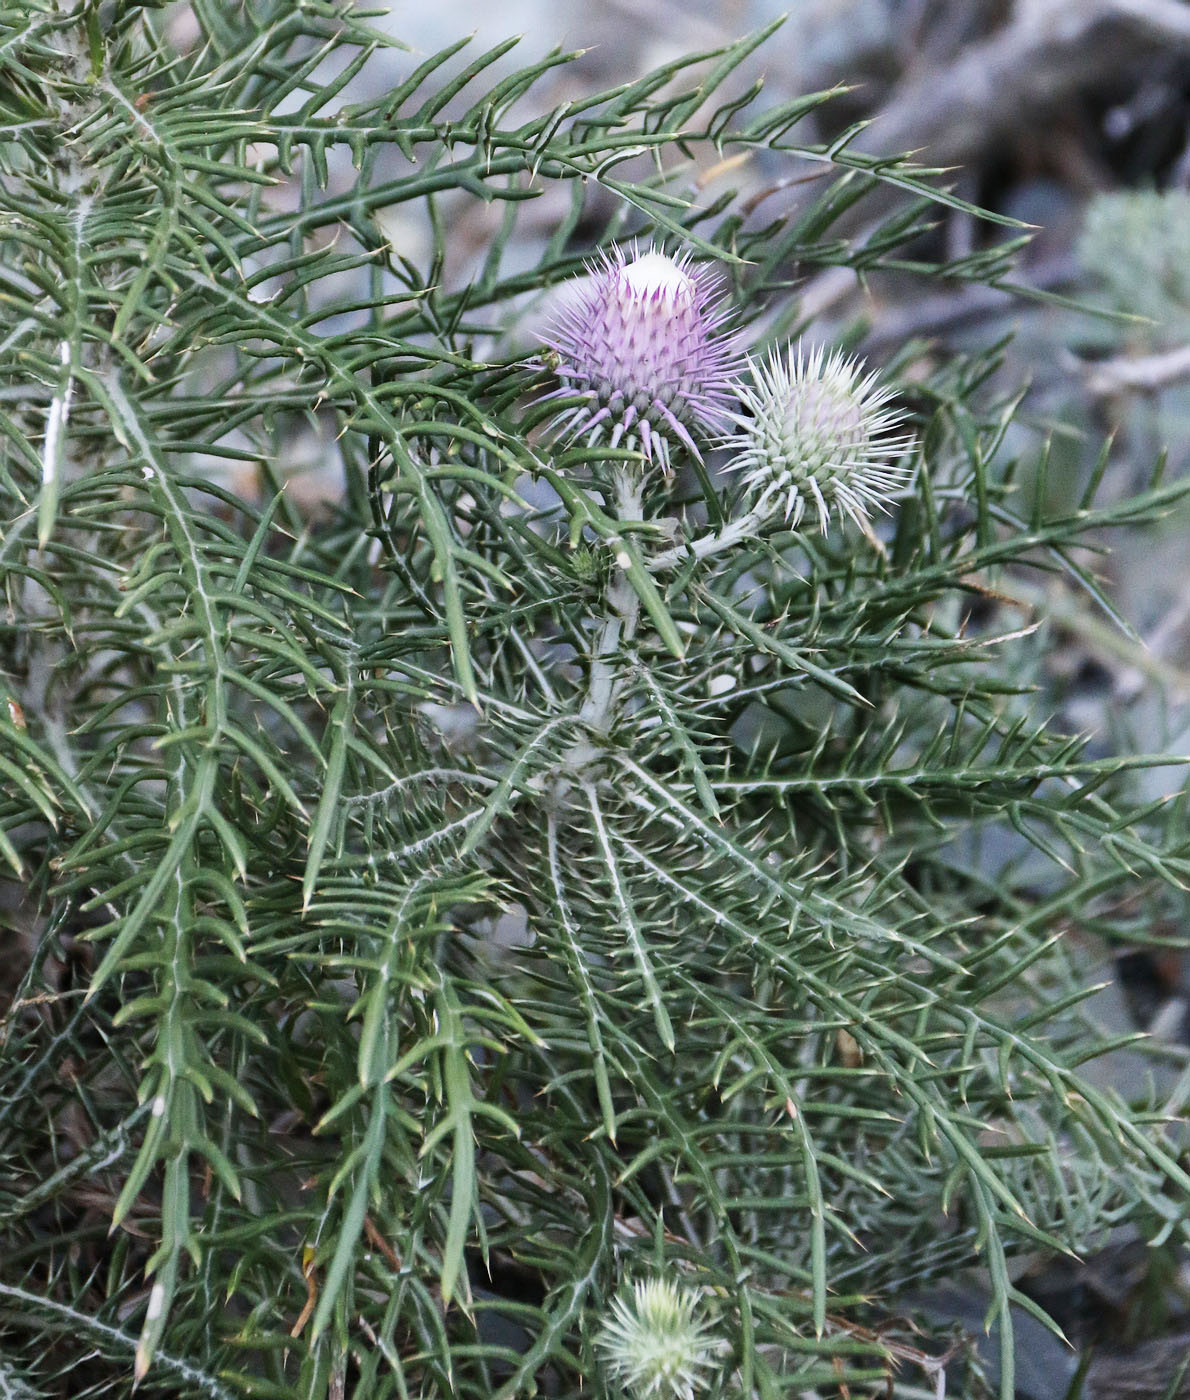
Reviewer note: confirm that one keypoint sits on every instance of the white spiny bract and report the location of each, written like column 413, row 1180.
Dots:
column 818, row 437
column 643, row 342
column 655, row 1345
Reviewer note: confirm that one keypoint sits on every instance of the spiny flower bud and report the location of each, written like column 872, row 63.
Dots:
column 642, row 342
column 819, row 437
column 655, row 1345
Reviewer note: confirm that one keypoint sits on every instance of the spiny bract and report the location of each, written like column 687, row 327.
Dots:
column 655, row 1345
column 819, row 435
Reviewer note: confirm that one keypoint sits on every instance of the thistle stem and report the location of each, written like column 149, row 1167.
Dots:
column 731, row 534
column 619, row 626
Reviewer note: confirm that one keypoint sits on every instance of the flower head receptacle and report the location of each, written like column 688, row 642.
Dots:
column 644, row 344
column 655, row 1345
column 819, row 436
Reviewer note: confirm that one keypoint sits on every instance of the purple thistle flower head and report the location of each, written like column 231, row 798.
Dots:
column 643, row 343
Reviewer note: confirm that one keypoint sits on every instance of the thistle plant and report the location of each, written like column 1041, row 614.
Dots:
column 538, row 869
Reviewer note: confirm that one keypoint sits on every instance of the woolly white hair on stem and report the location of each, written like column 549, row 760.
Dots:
column 643, row 343
column 654, row 1344
column 819, row 437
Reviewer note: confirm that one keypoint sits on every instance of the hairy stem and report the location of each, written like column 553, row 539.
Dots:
column 713, row 543
column 619, row 626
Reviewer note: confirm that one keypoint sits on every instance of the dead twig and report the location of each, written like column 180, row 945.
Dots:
column 1034, row 65
column 1139, row 373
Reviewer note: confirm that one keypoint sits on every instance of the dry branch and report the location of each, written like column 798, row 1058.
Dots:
column 1048, row 53
column 1140, row 373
